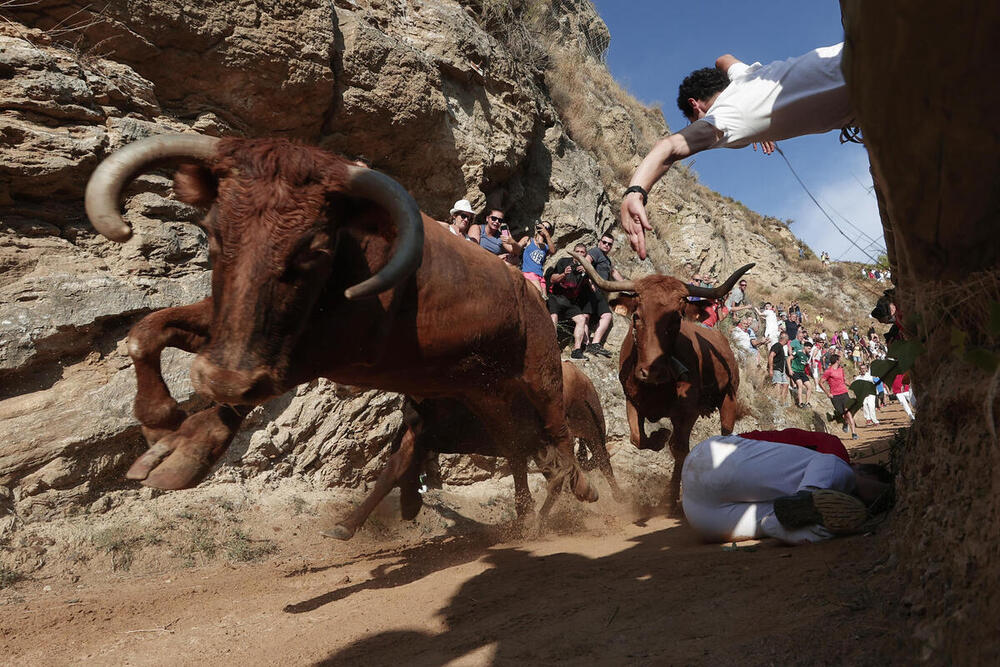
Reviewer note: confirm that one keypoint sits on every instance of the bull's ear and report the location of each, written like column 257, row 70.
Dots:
column 194, row 184
column 625, row 304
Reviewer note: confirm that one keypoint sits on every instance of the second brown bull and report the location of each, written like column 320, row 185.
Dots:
column 448, row 427
column 321, row 268
column 670, row 366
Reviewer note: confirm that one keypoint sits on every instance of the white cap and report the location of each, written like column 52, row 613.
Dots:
column 462, row 206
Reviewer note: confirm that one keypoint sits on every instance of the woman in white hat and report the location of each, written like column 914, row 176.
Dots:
column 461, row 221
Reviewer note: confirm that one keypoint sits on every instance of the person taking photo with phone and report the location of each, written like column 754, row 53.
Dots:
column 496, row 238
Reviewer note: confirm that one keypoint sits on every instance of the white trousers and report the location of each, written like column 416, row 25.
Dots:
column 869, row 407
column 727, row 508
column 904, row 399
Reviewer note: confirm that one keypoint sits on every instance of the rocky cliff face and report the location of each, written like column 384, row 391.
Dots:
column 430, row 92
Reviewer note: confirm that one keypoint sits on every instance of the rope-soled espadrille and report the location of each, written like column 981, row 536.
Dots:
column 838, row 512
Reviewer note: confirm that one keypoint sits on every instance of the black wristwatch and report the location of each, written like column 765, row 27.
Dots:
column 640, row 190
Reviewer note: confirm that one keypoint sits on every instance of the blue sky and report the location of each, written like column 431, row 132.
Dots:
column 655, row 44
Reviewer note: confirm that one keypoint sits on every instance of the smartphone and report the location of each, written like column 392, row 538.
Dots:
column 504, row 230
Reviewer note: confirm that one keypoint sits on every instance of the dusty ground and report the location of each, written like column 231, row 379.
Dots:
column 452, row 589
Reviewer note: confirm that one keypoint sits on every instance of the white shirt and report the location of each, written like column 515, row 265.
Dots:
column 742, row 340
column 771, row 325
column 784, row 99
column 771, row 469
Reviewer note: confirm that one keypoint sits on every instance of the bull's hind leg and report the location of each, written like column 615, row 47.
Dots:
column 599, row 452
column 728, row 413
column 186, row 328
column 552, row 412
column 680, row 443
column 400, row 465
column 524, row 505
column 183, row 457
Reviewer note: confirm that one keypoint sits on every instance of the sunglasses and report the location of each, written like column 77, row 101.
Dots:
column 464, row 216
column 493, row 218
column 607, row 243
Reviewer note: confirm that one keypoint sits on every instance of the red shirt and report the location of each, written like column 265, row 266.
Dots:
column 824, row 443
column 715, row 313
column 835, row 378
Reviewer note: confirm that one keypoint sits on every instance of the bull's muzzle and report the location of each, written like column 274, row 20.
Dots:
column 231, row 387
column 653, row 374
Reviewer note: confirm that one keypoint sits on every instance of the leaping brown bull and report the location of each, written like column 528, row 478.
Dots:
column 321, row 268
column 670, row 366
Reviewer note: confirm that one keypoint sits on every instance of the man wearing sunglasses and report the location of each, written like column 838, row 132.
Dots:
column 735, row 105
column 599, row 307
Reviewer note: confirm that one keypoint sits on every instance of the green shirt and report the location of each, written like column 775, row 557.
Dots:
column 799, row 359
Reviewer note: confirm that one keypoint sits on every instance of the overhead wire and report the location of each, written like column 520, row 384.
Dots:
column 820, row 207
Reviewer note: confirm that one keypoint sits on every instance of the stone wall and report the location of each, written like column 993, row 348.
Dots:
column 906, row 63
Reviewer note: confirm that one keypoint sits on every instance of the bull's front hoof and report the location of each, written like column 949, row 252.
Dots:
column 142, row 466
column 172, row 463
column 410, row 502
column 181, row 470
column 585, row 491
column 338, row 532
column 185, row 457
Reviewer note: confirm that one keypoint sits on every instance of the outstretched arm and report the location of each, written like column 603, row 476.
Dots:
column 694, row 138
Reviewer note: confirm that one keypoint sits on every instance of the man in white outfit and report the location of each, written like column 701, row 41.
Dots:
column 735, row 105
column 770, row 323
column 788, row 486
column 868, row 405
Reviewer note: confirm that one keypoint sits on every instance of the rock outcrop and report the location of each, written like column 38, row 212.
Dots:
column 939, row 173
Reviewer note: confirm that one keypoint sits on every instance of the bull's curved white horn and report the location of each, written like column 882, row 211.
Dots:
column 405, row 215
column 118, row 169
column 606, row 285
column 722, row 290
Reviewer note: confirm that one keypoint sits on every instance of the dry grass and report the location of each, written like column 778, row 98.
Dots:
column 811, row 266
column 521, row 26
column 585, row 94
column 9, row 576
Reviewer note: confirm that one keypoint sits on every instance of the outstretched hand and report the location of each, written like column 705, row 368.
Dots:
column 635, row 222
column 766, row 147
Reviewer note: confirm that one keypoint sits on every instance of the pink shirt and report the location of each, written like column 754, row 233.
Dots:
column 835, row 378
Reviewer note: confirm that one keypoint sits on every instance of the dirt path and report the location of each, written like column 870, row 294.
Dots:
column 606, row 590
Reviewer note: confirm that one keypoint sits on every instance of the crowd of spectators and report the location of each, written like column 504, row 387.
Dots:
column 801, row 358
column 572, row 300
column 876, row 273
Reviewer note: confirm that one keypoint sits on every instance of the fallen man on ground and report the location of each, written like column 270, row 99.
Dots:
column 793, row 485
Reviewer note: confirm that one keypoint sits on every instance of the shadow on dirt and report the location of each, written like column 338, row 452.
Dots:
column 510, row 608
column 467, row 540
column 669, row 599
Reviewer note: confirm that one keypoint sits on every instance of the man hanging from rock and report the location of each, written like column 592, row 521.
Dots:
column 735, row 105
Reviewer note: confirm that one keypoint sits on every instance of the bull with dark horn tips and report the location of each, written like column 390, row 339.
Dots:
column 297, row 239
column 104, row 189
column 671, row 366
